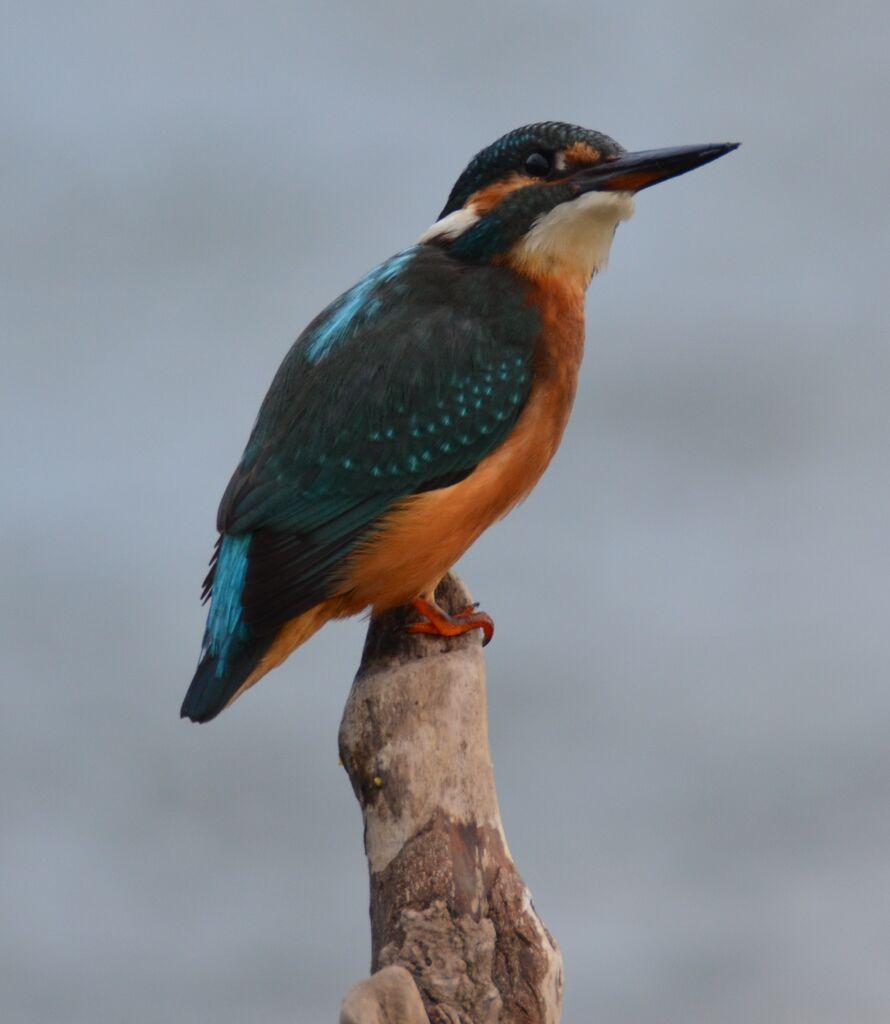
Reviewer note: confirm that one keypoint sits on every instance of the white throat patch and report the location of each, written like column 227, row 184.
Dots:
column 456, row 223
column 575, row 237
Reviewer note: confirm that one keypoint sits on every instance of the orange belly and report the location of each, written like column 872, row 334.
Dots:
column 418, row 542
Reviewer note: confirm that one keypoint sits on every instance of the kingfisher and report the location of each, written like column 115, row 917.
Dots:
column 420, row 406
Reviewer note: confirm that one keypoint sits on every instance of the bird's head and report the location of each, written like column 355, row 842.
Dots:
column 548, row 197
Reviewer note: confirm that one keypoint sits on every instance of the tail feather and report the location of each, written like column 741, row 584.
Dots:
column 219, row 682
column 230, row 651
column 211, row 689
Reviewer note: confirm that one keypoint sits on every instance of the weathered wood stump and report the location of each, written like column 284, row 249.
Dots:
column 447, row 903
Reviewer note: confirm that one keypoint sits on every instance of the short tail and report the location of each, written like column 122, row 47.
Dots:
column 217, row 684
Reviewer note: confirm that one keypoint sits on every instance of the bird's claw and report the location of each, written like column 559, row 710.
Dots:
column 437, row 622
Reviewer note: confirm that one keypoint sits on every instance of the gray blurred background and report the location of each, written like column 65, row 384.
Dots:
column 689, row 686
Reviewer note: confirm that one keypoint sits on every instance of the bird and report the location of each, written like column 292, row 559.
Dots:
column 420, row 406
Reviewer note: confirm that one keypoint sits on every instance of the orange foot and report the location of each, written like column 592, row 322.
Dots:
column 440, row 623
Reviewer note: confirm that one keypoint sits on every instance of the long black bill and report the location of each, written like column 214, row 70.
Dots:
column 631, row 172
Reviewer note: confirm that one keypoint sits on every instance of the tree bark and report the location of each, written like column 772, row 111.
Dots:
column 447, row 902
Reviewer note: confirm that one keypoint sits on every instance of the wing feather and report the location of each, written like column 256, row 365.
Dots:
column 402, row 385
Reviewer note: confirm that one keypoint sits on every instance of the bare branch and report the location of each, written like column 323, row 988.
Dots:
column 447, row 902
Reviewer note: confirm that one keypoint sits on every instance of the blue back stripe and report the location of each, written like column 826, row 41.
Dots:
column 353, row 308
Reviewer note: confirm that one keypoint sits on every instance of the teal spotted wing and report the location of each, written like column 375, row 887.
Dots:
column 402, row 385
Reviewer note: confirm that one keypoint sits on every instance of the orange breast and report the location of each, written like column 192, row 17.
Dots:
column 419, row 541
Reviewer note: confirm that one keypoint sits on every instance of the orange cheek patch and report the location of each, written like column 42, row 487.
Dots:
column 581, row 153
column 486, row 199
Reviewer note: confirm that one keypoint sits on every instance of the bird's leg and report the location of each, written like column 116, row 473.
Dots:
column 439, row 623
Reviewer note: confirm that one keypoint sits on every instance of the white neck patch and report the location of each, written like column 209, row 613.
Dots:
column 456, row 223
column 575, row 237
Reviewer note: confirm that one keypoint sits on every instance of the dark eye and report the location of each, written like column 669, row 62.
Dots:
column 538, row 165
